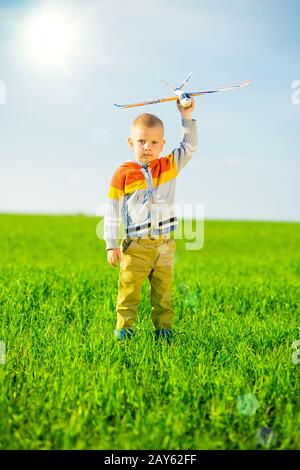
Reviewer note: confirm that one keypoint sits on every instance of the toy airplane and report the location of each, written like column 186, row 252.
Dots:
column 184, row 98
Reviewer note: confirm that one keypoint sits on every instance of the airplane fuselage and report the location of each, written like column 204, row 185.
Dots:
column 184, row 98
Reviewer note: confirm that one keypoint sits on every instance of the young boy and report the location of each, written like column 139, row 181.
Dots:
column 142, row 192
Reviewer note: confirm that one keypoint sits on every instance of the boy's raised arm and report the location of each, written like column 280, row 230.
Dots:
column 189, row 142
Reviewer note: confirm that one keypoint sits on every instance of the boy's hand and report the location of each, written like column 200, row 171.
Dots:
column 113, row 255
column 186, row 112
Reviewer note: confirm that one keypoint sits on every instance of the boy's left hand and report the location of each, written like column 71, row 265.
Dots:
column 186, row 112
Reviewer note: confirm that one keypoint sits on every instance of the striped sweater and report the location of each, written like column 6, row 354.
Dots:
column 143, row 194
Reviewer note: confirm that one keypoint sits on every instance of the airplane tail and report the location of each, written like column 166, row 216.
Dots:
column 185, row 81
column 166, row 83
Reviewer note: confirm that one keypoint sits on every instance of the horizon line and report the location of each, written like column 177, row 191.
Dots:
column 88, row 215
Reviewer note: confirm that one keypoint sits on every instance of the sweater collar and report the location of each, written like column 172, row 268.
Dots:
column 141, row 164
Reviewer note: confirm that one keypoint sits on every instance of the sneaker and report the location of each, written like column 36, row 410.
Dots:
column 124, row 333
column 163, row 333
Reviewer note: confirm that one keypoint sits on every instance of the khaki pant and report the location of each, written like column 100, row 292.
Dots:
column 145, row 257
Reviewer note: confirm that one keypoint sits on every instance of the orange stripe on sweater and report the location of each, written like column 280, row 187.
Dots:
column 128, row 179
column 166, row 170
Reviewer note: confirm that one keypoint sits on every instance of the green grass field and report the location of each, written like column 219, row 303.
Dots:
column 66, row 383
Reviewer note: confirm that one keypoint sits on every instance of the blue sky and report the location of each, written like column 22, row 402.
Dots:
column 61, row 138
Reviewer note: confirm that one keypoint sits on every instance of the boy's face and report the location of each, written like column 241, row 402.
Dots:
column 146, row 142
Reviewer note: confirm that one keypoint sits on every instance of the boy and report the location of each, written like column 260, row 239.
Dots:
column 142, row 192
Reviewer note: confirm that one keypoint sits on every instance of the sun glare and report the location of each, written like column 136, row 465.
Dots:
column 51, row 38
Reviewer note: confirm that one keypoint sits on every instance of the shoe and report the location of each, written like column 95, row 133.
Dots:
column 163, row 333
column 124, row 333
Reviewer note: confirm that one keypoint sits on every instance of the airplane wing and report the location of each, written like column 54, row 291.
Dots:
column 242, row 85
column 161, row 100
column 173, row 98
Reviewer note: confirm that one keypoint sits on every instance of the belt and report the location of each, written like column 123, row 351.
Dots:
column 162, row 236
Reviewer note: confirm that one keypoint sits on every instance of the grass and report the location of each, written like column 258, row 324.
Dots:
column 68, row 384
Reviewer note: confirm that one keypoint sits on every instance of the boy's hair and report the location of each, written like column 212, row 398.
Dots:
column 148, row 120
